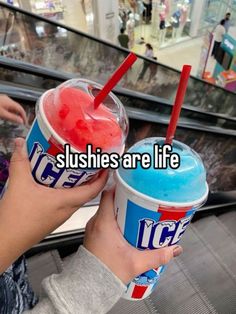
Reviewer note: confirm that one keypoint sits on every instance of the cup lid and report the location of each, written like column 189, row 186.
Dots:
column 187, row 184
column 70, row 112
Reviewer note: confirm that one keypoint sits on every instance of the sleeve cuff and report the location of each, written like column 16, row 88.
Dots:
column 86, row 284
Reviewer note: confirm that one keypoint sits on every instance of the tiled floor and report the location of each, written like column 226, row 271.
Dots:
column 186, row 51
column 74, row 16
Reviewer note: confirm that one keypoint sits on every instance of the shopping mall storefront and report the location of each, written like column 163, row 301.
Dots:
column 98, row 18
column 214, row 11
column 169, row 21
column 173, row 21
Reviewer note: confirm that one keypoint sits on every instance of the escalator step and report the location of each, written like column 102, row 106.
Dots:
column 133, row 307
column 200, row 281
column 229, row 220
column 221, row 241
column 178, row 293
column 209, row 269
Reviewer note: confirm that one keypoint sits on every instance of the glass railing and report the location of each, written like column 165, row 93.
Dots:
column 215, row 145
column 30, row 38
column 12, row 72
column 22, row 76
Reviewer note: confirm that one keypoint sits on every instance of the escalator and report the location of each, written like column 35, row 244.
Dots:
column 213, row 135
column 20, row 74
column 191, row 282
column 38, row 41
column 203, row 279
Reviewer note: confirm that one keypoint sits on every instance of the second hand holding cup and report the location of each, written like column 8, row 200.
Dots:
column 155, row 206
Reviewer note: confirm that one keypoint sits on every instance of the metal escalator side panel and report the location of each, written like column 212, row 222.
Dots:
column 179, row 293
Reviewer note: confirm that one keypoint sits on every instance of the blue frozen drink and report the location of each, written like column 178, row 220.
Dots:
column 155, row 206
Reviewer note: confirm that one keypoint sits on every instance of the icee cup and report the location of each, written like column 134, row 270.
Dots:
column 154, row 206
column 66, row 115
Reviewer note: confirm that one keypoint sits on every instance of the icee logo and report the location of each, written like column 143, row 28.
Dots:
column 154, row 235
column 147, row 278
column 44, row 170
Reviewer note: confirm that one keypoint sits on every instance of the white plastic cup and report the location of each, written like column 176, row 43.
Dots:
column 43, row 142
column 149, row 223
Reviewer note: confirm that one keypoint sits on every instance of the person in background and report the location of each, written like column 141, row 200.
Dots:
column 15, row 291
column 133, row 5
column 146, row 64
column 123, row 39
column 149, row 51
column 228, row 23
column 218, row 36
column 11, row 110
column 153, row 69
column 147, row 14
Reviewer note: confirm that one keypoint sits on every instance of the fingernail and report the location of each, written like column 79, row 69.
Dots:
column 177, row 251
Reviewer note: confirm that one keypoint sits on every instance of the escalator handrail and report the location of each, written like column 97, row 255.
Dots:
column 135, row 113
column 28, row 68
column 107, row 43
column 140, row 114
column 162, row 101
column 25, row 67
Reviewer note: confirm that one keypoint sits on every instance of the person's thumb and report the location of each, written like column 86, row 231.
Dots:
column 150, row 259
column 19, row 165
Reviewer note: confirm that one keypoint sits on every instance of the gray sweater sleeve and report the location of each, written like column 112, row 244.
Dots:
column 85, row 286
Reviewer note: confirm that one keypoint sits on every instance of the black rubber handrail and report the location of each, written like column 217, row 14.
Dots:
column 162, row 101
column 16, row 9
column 24, row 67
column 31, row 96
column 140, row 114
column 28, row 68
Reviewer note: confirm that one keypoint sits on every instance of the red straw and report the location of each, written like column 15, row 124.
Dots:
column 179, row 99
column 123, row 68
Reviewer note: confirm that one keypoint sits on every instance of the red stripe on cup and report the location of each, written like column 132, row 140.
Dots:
column 53, row 149
column 139, row 292
column 171, row 215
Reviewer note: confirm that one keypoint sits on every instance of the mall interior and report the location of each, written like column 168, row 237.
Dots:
column 44, row 43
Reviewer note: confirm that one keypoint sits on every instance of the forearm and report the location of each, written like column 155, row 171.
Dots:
column 86, row 285
column 15, row 240
column 10, row 248
column 18, row 229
